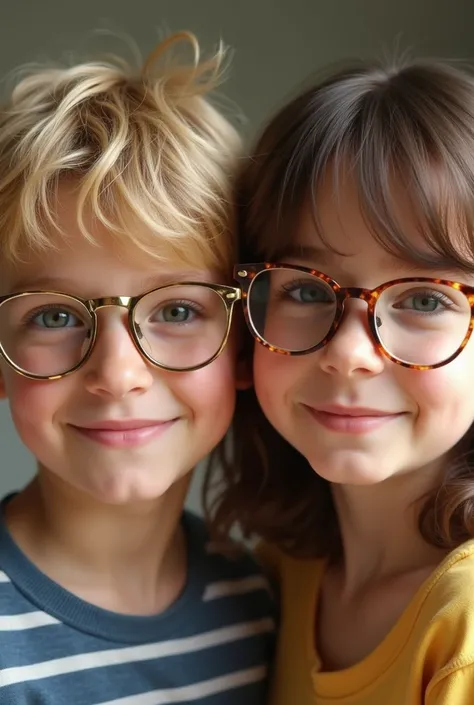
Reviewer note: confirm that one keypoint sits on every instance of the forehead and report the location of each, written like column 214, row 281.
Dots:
column 333, row 231
column 91, row 270
column 98, row 256
column 78, row 237
column 335, row 219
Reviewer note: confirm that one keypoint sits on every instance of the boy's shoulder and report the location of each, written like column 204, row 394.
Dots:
column 219, row 631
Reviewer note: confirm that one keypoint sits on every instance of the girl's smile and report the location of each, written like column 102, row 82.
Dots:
column 347, row 419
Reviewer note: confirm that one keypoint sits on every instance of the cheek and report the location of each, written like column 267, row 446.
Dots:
column 33, row 404
column 274, row 376
column 444, row 396
column 443, row 386
column 210, row 392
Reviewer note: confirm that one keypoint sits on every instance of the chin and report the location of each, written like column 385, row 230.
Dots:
column 350, row 471
column 123, row 491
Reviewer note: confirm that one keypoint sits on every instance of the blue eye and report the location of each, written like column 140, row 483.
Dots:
column 55, row 318
column 425, row 302
column 176, row 313
column 309, row 293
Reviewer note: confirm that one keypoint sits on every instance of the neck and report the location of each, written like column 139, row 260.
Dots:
column 379, row 528
column 125, row 558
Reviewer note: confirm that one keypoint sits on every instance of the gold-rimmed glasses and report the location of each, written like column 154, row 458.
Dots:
column 178, row 327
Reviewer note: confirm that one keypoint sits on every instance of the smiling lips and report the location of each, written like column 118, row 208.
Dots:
column 351, row 419
column 124, row 434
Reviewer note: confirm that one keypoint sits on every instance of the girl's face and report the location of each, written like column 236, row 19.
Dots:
column 356, row 416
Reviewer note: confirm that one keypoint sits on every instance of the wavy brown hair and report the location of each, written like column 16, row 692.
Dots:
column 411, row 125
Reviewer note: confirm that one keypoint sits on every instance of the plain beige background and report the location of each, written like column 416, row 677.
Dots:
column 277, row 43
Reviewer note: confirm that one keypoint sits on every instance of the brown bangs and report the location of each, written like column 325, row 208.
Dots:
column 378, row 127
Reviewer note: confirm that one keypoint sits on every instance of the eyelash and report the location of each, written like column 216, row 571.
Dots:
column 31, row 315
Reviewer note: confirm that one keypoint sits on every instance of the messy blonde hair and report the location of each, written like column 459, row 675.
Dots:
column 408, row 125
column 145, row 146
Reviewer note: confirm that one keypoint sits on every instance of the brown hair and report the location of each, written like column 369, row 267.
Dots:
column 409, row 125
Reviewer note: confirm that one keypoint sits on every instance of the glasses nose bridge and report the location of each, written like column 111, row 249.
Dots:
column 107, row 301
column 126, row 302
column 355, row 292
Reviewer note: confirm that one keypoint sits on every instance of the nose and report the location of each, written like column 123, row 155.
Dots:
column 116, row 367
column 352, row 352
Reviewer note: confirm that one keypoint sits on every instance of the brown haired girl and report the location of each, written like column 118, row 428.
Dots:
column 356, row 218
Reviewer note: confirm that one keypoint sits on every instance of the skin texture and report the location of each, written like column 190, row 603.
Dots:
column 95, row 511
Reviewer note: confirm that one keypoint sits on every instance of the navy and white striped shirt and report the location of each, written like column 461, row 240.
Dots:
column 211, row 647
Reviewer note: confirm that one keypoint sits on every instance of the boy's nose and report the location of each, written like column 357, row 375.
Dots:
column 116, row 367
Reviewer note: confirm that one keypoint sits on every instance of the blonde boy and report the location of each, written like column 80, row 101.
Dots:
column 118, row 361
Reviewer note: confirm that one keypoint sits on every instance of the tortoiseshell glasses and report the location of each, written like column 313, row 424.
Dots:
column 420, row 323
column 179, row 327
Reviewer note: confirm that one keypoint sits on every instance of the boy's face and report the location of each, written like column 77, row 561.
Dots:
column 182, row 415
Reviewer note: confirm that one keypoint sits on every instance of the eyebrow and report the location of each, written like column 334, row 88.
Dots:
column 148, row 283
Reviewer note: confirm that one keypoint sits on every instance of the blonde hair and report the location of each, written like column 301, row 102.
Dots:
column 145, row 146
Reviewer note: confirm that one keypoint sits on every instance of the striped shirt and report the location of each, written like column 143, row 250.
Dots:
column 211, row 647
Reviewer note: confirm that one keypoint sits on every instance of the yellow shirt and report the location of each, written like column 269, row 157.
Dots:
column 426, row 659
